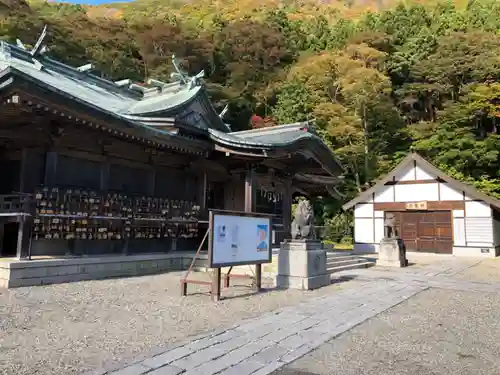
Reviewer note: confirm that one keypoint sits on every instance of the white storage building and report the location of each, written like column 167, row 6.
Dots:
column 434, row 212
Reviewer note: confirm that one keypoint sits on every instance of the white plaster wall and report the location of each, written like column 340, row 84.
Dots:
column 407, row 174
column 423, row 175
column 416, row 193
column 459, row 231
column 447, row 193
column 385, row 194
column 363, row 210
column 477, row 209
column 379, row 229
column 363, row 230
column 476, row 252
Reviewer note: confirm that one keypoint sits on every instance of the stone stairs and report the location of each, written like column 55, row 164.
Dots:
column 344, row 261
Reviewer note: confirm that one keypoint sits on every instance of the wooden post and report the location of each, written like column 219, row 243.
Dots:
column 24, row 170
column 50, row 168
column 202, row 191
column 250, row 201
column 287, row 209
column 152, row 182
column 216, row 281
column 104, row 180
column 24, row 237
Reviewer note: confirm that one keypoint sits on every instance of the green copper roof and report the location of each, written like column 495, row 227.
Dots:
column 155, row 109
column 272, row 137
column 294, row 138
column 121, row 99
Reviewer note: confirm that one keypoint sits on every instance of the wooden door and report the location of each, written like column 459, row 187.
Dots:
column 426, row 231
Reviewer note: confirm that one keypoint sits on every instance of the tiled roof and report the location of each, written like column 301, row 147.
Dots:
column 121, row 98
column 157, row 108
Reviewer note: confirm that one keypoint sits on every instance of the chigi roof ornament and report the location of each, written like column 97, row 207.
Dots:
column 180, row 75
column 40, row 49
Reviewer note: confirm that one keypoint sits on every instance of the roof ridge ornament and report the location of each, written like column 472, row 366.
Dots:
column 224, row 111
column 195, row 81
column 179, row 74
column 38, row 49
column 20, row 44
column 85, row 68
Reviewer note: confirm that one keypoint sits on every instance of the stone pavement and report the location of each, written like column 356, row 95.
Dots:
column 262, row 345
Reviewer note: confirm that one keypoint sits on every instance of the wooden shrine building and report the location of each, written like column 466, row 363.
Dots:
column 91, row 166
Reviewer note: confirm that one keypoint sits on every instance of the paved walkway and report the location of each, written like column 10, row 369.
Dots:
column 262, row 345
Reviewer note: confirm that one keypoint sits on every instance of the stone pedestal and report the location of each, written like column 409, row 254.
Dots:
column 302, row 265
column 392, row 253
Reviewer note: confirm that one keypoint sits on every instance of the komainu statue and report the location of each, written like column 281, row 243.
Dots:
column 303, row 222
column 390, row 226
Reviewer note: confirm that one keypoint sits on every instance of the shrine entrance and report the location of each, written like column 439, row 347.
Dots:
column 8, row 246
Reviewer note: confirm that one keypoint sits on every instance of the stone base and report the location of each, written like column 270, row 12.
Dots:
column 19, row 273
column 392, row 253
column 302, row 265
column 302, row 283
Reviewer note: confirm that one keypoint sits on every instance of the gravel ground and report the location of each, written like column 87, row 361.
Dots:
column 436, row 332
column 73, row 328
column 486, row 271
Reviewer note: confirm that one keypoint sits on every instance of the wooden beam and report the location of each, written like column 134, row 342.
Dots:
column 431, row 206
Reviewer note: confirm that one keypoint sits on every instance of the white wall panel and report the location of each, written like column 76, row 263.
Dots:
column 385, row 194
column 458, row 231
column 379, row 229
column 423, row 175
column 477, row 209
column 379, row 214
column 363, row 230
column 407, row 174
column 363, row 210
column 458, row 213
column 447, row 193
column 478, row 230
column 416, row 193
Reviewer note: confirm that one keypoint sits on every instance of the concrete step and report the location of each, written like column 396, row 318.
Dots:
column 351, row 267
column 340, row 259
column 335, row 254
column 344, row 262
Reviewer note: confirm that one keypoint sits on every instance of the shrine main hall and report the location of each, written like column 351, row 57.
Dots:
column 108, row 178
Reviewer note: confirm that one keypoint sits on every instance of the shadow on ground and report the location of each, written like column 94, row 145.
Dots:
column 342, row 279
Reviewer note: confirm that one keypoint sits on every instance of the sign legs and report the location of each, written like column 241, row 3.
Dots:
column 216, row 281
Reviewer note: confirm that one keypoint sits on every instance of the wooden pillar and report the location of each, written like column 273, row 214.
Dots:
column 23, row 170
column 287, row 209
column 202, row 191
column 24, row 237
column 250, row 201
column 104, row 181
column 50, row 168
column 250, row 191
column 152, row 183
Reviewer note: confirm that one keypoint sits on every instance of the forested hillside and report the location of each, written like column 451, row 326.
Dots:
column 378, row 83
